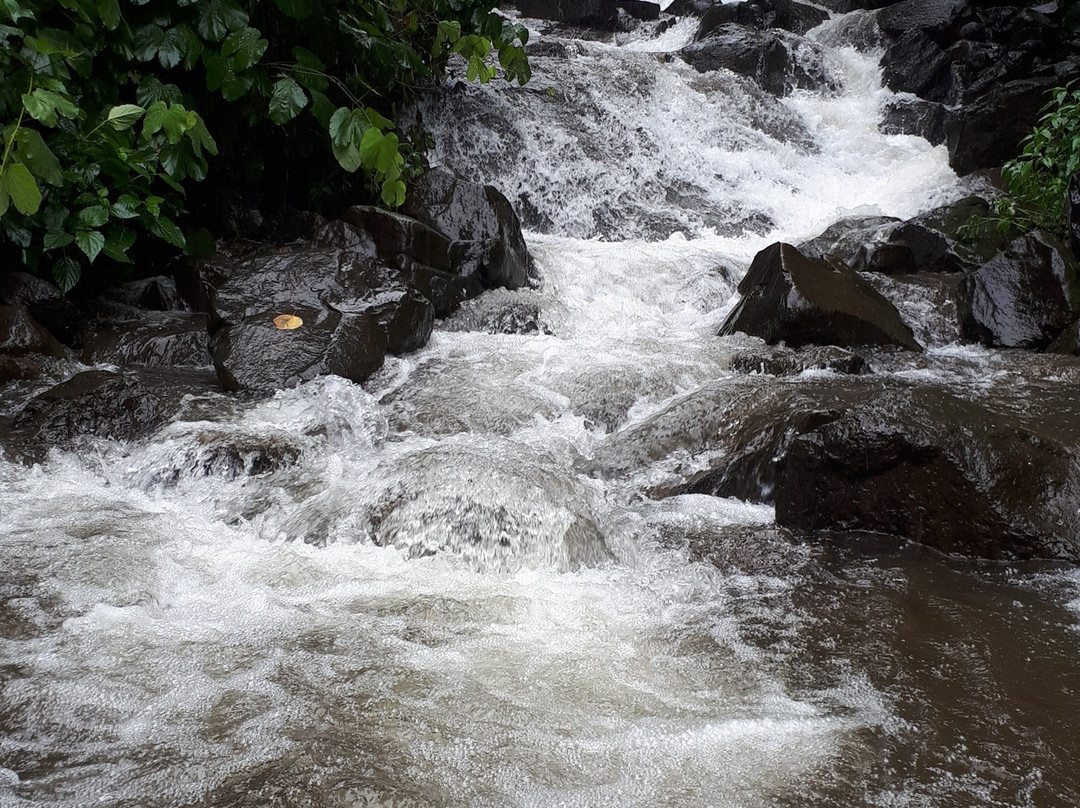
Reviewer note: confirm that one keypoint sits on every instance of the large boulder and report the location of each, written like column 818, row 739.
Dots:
column 787, row 297
column 942, row 470
column 777, row 60
column 1025, row 296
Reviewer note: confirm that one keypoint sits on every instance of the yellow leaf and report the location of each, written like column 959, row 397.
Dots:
column 287, row 322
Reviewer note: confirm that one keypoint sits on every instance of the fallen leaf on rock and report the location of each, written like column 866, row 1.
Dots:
column 287, row 322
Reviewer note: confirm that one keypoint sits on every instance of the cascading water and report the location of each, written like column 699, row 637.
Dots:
column 448, row 589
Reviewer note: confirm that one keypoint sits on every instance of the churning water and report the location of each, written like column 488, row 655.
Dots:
column 448, row 587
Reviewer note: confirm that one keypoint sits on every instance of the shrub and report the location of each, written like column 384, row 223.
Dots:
column 110, row 110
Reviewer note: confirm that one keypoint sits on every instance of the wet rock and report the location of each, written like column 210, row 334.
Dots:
column 988, row 131
column 980, row 73
column 787, row 297
column 229, row 455
column 479, row 221
column 45, row 302
column 778, row 61
column 1072, row 213
column 1067, row 342
column 786, row 362
column 841, row 241
column 1025, row 296
column 500, row 312
column 594, row 13
column 96, row 402
column 157, row 294
column 21, row 334
column 162, row 338
column 790, row 15
column 950, row 473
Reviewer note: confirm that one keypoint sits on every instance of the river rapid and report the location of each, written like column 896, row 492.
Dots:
column 457, row 593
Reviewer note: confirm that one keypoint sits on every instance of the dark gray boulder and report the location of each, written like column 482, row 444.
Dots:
column 945, row 471
column 787, row 297
column 156, row 294
column 777, row 60
column 1024, row 297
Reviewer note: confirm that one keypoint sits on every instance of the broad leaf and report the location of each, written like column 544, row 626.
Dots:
column 57, row 238
column 38, row 157
column 286, row 101
column 297, row 9
column 165, row 228
column 244, row 48
column 66, row 273
column 93, row 216
column 90, row 242
column 18, row 183
column 109, row 11
column 125, row 116
column 393, row 193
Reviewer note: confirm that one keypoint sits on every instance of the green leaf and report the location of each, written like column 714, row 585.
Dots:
column 109, row 11
column 124, row 116
column 38, row 157
column 175, row 123
column 217, row 17
column 322, row 108
column 388, row 159
column 15, row 10
column 126, row 207
column 165, row 228
column 90, row 242
column 311, row 70
column 66, row 273
column 393, row 193
column 45, row 105
column 93, row 216
column 57, row 238
column 244, row 48
column 370, row 145
column 347, row 156
column 18, row 183
column 286, row 101
column 297, row 9
column 118, row 243
column 347, row 126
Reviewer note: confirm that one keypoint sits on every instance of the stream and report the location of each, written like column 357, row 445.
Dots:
column 458, row 591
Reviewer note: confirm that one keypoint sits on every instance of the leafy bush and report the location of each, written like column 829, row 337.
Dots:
column 1036, row 182
column 110, row 110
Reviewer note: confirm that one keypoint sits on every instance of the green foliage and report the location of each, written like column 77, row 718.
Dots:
column 1036, row 182
column 107, row 108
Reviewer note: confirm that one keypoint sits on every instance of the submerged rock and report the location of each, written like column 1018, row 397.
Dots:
column 925, row 465
column 786, row 362
column 787, row 297
column 21, row 334
column 1023, row 297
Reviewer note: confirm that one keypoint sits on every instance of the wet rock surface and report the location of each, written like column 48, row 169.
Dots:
column 787, row 297
column 980, row 73
column 777, row 60
column 786, row 362
column 1025, row 296
column 161, row 338
column 596, row 13
column 790, row 15
column 940, row 470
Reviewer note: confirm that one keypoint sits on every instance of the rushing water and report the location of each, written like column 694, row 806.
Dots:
column 450, row 590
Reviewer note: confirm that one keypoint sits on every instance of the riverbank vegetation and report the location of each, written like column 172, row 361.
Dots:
column 124, row 122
